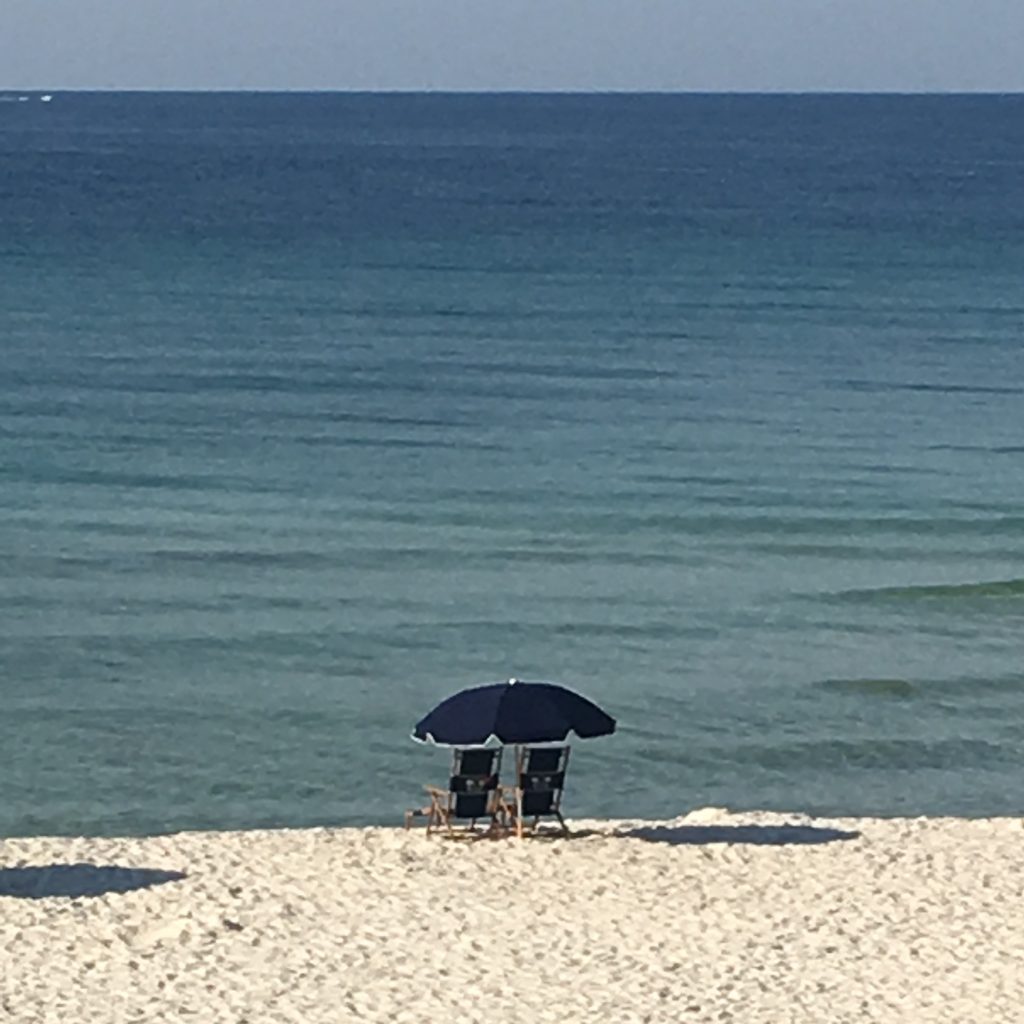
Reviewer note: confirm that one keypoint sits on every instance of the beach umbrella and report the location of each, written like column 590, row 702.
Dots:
column 513, row 712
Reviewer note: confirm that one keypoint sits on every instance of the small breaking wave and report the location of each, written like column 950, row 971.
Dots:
column 961, row 753
column 980, row 590
column 893, row 688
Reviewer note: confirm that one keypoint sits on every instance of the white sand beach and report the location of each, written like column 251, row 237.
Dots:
column 712, row 917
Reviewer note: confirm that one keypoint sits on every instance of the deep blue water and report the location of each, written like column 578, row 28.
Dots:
column 315, row 408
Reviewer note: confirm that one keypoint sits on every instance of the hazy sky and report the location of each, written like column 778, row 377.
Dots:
column 901, row 45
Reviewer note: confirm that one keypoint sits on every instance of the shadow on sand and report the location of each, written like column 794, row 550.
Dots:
column 76, row 880
column 682, row 835
column 751, row 835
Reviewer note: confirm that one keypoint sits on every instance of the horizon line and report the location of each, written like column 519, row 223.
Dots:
column 428, row 91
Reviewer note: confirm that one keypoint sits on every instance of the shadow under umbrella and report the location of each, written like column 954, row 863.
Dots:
column 749, row 835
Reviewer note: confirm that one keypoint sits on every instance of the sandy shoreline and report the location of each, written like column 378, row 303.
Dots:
column 712, row 917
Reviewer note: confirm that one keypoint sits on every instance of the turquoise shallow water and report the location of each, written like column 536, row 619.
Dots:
column 316, row 408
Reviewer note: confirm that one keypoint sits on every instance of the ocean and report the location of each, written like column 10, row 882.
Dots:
column 317, row 408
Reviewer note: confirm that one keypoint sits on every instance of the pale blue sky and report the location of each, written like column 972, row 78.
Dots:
column 748, row 45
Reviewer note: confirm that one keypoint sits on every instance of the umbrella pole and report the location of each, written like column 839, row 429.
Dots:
column 519, row 792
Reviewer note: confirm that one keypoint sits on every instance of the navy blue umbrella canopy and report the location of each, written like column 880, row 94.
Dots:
column 512, row 713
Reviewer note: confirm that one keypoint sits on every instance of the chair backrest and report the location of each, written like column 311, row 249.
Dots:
column 474, row 778
column 541, row 778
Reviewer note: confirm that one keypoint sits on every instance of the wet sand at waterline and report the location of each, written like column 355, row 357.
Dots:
column 711, row 917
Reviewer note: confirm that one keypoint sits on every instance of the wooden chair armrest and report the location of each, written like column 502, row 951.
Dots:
column 505, row 798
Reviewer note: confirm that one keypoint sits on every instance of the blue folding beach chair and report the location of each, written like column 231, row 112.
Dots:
column 472, row 794
column 540, row 780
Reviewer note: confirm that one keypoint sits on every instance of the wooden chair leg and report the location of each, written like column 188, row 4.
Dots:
column 436, row 819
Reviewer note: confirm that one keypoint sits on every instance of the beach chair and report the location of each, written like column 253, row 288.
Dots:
column 540, row 779
column 472, row 794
